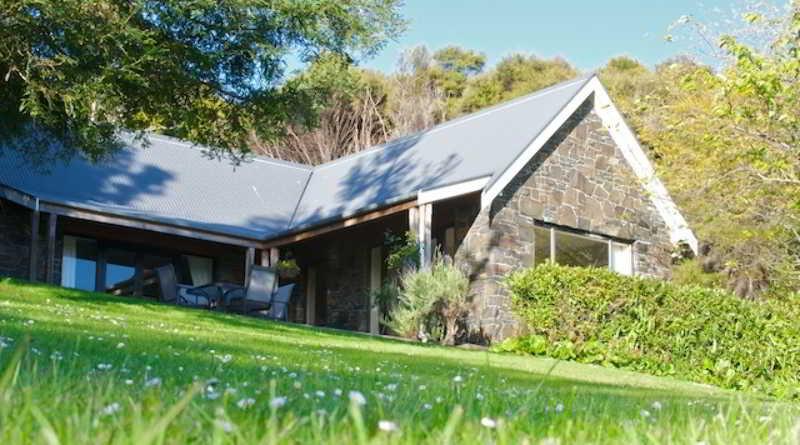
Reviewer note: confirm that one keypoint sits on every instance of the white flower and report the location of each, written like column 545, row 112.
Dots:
column 245, row 403
column 277, row 402
column 645, row 413
column 357, row 398
column 387, row 425
column 111, row 409
column 225, row 425
column 559, row 407
column 128, row 382
column 155, row 381
column 337, row 392
column 319, row 394
column 458, row 379
column 120, row 345
column 104, row 366
column 488, row 423
column 226, row 358
column 422, row 387
column 391, row 387
column 427, row 406
column 479, row 396
column 657, row 405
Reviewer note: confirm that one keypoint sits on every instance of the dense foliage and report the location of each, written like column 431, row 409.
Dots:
column 202, row 70
column 694, row 333
column 432, row 303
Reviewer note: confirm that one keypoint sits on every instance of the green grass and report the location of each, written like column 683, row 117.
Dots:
column 86, row 368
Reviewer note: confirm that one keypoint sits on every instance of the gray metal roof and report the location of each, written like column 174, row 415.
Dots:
column 174, row 182
column 477, row 145
column 171, row 182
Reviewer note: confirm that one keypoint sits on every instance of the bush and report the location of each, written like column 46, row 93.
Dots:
column 432, row 303
column 690, row 332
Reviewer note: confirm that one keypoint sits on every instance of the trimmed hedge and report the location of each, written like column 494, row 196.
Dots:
column 647, row 325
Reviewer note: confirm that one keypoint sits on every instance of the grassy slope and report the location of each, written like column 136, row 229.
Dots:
column 156, row 352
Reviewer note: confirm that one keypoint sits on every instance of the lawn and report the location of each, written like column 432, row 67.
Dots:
column 88, row 368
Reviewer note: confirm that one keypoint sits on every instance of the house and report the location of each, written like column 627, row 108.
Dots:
column 553, row 175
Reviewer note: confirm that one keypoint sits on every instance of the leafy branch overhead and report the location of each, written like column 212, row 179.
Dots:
column 211, row 72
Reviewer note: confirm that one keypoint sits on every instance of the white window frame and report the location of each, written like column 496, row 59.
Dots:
column 612, row 243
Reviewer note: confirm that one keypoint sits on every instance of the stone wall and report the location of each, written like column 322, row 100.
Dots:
column 580, row 180
column 15, row 240
column 15, row 243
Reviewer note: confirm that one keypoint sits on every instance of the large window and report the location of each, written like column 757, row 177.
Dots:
column 116, row 265
column 579, row 249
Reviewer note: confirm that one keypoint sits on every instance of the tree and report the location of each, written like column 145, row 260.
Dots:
column 352, row 116
column 211, row 72
column 514, row 76
column 726, row 143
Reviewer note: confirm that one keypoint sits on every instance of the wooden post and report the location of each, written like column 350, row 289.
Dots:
column 34, row 256
column 413, row 221
column 249, row 259
column 263, row 258
column 274, row 256
column 52, row 221
column 311, row 295
column 100, row 269
column 450, row 241
column 426, row 243
column 375, row 266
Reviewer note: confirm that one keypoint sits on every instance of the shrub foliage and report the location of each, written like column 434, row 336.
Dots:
column 432, row 302
column 690, row 332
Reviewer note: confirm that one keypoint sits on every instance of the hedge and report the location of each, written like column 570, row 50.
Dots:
column 689, row 332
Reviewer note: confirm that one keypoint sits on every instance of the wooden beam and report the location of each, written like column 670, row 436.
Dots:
column 349, row 222
column 34, row 256
column 52, row 222
column 90, row 215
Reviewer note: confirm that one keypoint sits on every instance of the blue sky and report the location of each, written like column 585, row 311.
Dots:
column 586, row 33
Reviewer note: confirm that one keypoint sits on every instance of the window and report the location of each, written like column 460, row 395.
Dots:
column 585, row 250
column 578, row 250
column 125, row 268
column 201, row 269
column 120, row 266
column 79, row 264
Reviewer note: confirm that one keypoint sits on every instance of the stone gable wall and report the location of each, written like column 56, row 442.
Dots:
column 580, row 180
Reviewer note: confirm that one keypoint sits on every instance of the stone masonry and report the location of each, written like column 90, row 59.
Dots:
column 579, row 180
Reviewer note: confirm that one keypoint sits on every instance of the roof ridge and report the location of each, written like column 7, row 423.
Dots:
column 466, row 118
column 199, row 147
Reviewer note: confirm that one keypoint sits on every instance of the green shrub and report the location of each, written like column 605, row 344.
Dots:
column 432, row 303
column 690, row 332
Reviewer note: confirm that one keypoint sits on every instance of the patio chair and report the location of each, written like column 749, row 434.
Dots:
column 257, row 293
column 279, row 309
column 174, row 293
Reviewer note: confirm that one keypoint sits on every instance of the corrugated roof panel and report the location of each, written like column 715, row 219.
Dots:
column 173, row 182
column 477, row 145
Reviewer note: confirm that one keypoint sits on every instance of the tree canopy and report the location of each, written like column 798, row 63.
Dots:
column 207, row 71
